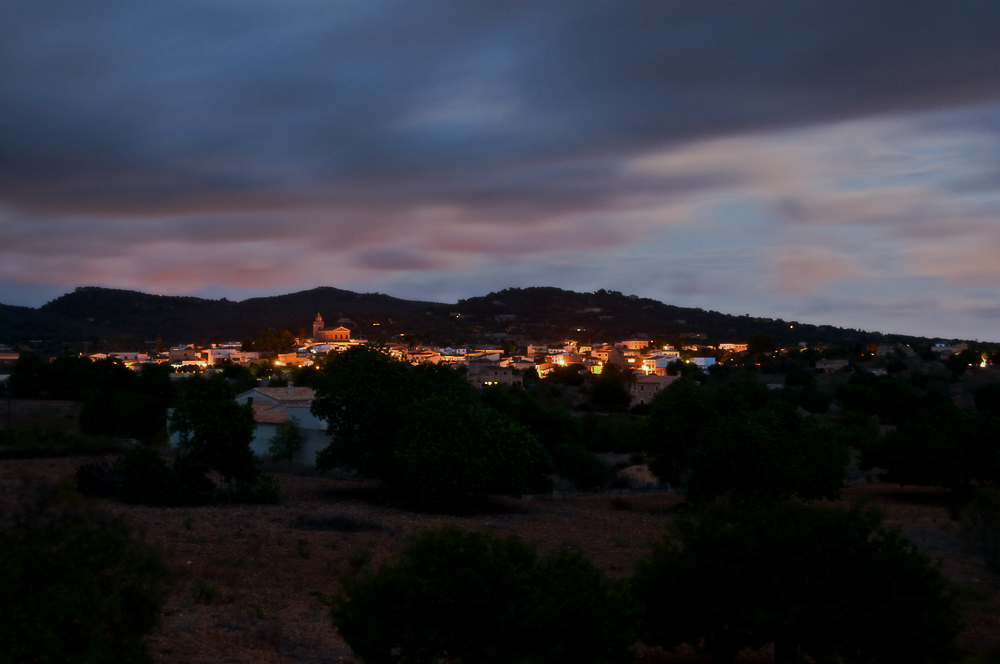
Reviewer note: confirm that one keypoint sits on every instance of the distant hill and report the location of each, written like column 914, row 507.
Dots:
column 129, row 318
column 111, row 318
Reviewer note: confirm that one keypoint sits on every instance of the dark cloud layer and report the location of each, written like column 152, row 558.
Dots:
column 118, row 108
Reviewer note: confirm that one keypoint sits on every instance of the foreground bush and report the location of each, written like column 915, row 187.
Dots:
column 981, row 527
column 829, row 583
column 141, row 476
column 475, row 598
column 76, row 588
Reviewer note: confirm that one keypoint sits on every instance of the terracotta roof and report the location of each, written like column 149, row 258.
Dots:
column 285, row 396
column 267, row 414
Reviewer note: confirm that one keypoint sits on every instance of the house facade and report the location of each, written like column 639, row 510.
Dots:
column 645, row 387
column 484, row 372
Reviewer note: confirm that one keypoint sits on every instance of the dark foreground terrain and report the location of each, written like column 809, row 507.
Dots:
column 245, row 578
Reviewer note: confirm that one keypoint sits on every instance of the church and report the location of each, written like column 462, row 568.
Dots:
column 338, row 334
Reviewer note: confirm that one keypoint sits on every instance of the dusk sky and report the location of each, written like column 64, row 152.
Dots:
column 827, row 161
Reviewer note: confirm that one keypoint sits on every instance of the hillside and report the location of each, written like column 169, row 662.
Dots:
column 119, row 319
column 127, row 318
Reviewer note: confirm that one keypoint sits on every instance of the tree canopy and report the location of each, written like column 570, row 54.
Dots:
column 215, row 430
column 735, row 438
column 422, row 430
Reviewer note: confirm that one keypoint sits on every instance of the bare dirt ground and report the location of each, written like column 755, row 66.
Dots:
column 245, row 580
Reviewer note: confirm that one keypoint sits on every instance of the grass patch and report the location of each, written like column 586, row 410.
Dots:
column 32, row 443
column 304, row 549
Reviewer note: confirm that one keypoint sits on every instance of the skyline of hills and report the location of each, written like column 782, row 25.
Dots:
column 114, row 317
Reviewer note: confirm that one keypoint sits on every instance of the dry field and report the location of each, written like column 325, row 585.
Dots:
column 246, row 578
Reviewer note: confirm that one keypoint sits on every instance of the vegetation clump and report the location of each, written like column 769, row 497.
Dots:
column 460, row 596
column 215, row 434
column 829, row 583
column 732, row 438
column 76, row 586
column 421, row 430
column 980, row 527
column 287, row 441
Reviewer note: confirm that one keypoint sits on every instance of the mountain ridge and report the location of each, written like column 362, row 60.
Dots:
column 117, row 317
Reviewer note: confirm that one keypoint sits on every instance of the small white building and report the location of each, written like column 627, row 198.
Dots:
column 273, row 406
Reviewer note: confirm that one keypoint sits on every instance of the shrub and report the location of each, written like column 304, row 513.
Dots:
column 980, row 527
column 146, row 477
column 265, row 490
column 583, row 467
column 829, row 583
column 76, row 587
column 286, row 442
column 474, row 597
column 206, row 593
column 98, row 479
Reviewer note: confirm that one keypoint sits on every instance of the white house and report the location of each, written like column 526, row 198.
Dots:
column 276, row 405
column 273, row 406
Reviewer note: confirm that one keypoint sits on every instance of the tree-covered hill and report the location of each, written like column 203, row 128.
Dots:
column 112, row 318
column 132, row 318
column 609, row 315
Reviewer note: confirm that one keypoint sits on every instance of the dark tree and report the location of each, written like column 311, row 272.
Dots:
column 760, row 343
column 362, row 395
column 454, row 450
column 772, row 453
column 945, row 446
column 610, row 392
column 274, row 341
column 422, row 430
column 988, row 398
column 286, row 441
column 678, row 414
column 215, row 430
column 29, row 377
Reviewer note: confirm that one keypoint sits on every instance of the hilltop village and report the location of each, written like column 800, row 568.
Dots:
column 650, row 364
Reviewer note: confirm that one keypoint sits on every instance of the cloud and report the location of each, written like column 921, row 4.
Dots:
column 794, row 155
column 115, row 107
column 804, row 271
